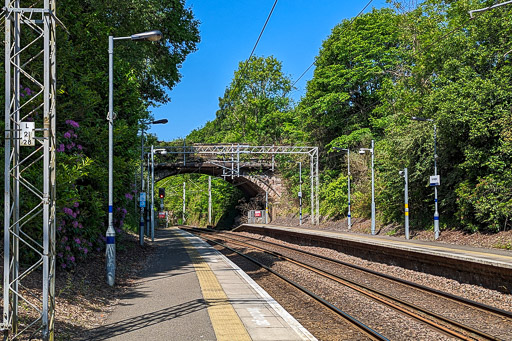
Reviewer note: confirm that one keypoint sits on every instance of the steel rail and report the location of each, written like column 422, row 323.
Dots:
column 374, row 294
column 367, row 330
column 455, row 298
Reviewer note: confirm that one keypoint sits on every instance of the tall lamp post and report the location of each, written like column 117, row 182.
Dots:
column 141, row 227
column 152, row 210
column 349, row 222
column 300, row 193
column 111, row 234
column 371, row 150
column 436, row 181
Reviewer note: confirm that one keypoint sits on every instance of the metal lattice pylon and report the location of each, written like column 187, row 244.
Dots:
column 29, row 197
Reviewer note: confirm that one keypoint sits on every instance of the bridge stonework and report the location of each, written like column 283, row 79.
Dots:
column 252, row 179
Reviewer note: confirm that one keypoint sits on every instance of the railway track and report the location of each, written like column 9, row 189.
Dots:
column 450, row 315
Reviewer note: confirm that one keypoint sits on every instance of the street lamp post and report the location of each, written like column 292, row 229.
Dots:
column 436, row 212
column 144, row 124
column 153, row 151
column 300, row 193
column 406, row 201
column 349, row 222
column 111, row 234
column 371, row 150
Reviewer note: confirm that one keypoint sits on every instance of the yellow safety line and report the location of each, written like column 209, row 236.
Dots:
column 433, row 247
column 225, row 321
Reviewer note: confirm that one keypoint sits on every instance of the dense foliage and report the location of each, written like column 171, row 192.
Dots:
column 143, row 71
column 373, row 74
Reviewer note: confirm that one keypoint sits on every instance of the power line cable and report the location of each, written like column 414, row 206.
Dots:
column 263, row 29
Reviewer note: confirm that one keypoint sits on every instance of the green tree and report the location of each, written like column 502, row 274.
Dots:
column 255, row 107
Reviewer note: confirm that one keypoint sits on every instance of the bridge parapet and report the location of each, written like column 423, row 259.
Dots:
column 251, row 168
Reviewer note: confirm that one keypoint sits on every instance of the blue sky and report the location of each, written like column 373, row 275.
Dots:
column 229, row 30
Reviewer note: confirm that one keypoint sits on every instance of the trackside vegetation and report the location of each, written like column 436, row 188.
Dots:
column 372, row 74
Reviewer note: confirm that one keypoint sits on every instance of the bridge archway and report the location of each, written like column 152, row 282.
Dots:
column 251, row 168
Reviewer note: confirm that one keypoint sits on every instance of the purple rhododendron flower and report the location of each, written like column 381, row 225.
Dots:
column 72, row 123
column 85, row 250
column 68, row 248
column 71, row 258
column 76, row 204
column 61, row 148
column 80, row 226
column 75, row 224
column 67, row 135
column 60, row 255
column 68, row 211
column 77, row 240
column 63, row 265
column 80, row 147
column 64, row 239
column 128, row 196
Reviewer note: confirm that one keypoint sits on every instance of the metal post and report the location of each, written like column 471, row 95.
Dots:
column 8, row 138
column 311, row 180
column 272, row 158
column 210, row 200
column 436, row 212
column 406, row 203
column 141, row 225
column 232, row 162
column 266, row 207
column 348, row 189
column 152, row 194
column 184, row 200
column 16, row 170
column 373, row 187
column 184, row 154
column 317, row 191
column 300, row 193
column 111, row 233
column 148, row 193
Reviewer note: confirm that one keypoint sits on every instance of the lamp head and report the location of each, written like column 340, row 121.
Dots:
column 149, row 35
column 161, row 151
column 162, row 121
column 361, row 151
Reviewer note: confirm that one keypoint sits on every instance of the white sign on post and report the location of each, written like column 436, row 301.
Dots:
column 435, row 180
column 27, row 134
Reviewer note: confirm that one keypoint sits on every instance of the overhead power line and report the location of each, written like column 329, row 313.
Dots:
column 263, row 29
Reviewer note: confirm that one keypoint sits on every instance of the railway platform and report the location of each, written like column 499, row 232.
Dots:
column 190, row 291
column 491, row 268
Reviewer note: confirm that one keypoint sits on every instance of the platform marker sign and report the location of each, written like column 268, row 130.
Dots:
column 142, row 199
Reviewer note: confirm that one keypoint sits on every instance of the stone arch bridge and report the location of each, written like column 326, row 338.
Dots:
column 254, row 169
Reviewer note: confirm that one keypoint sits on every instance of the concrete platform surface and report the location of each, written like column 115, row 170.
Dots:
column 190, row 291
column 494, row 257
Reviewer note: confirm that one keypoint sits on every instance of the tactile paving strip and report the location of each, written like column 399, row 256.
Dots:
column 225, row 321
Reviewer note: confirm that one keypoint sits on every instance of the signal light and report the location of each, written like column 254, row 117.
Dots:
column 161, row 193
